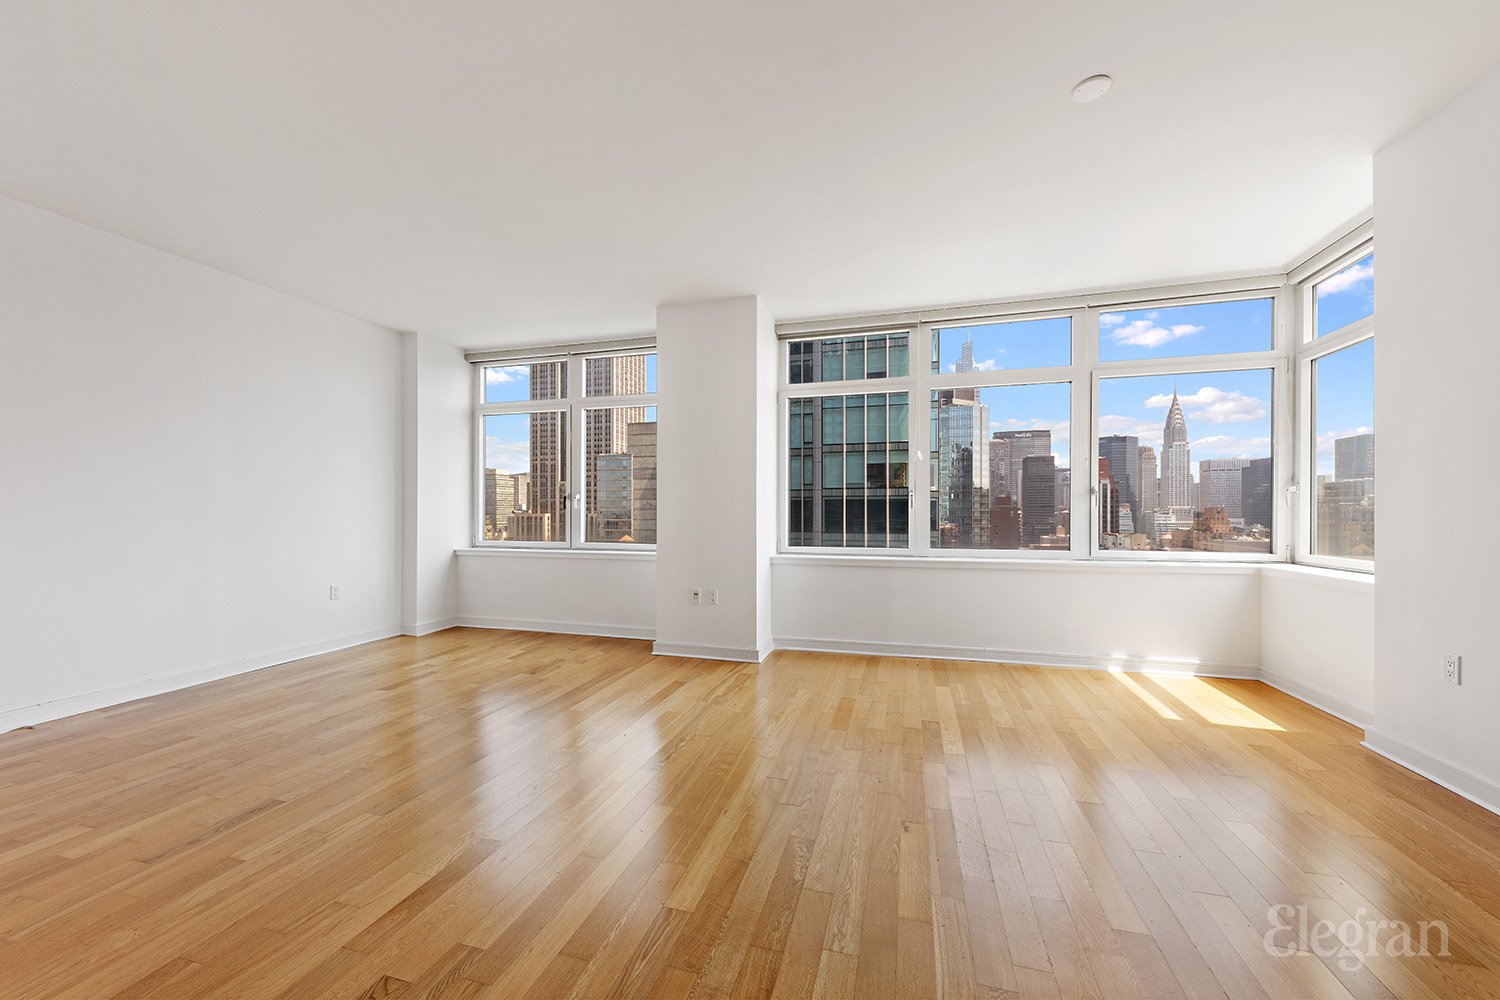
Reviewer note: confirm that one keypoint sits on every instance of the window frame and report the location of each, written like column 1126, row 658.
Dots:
column 572, row 403
column 1082, row 376
column 1309, row 349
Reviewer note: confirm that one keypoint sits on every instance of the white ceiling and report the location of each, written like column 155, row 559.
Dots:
column 516, row 172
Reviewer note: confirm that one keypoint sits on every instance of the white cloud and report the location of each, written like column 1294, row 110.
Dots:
column 1111, row 319
column 1349, row 278
column 987, row 365
column 1214, row 405
column 1225, row 446
column 1325, row 440
column 508, row 456
column 1145, row 333
column 500, row 376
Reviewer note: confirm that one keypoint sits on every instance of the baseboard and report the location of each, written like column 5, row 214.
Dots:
column 1318, row 698
column 1477, row 789
column 738, row 654
column 61, row 708
column 564, row 628
column 1030, row 658
column 427, row 628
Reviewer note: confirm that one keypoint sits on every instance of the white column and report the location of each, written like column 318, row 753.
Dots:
column 716, row 477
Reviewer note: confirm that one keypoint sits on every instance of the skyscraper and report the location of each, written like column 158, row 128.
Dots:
column 609, row 521
column 1018, row 446
column 960, row 459
column 604, row 428
column 548, row 495
column 1176, row 461
column 641, row 444
column 1039, row 498
column 1149, row 484
column 1255, row 493
column 1354, row 457
column 500, row 496
column 1220, row 485
column 1123, row 451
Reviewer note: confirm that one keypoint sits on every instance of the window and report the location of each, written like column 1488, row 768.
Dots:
column 537, row 490
column 1230, row 326
column 987, row 347
column 1184, row 462
column 1337, row 367
column 1344, row 452
column 1224, row 421
column 1345, row 297
column 848, row 467
column 999, row 475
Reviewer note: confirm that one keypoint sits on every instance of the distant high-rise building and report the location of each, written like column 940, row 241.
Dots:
column 1176, row 490
column 1255, row 493
column 500, row 498
column 1354, row 457
column 1219, row 485
column 530, row 527
column 1005, row 523
column 1148, row 481
column 609, row 521
column 1064, row 489
column 960, row 449
column 1038, row 498
column 1123, row 452
column 641, row 444
column 1017, row 446
column 547, row 494
column 604, row 428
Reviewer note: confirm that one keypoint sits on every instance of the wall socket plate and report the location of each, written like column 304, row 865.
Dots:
column 1453, row 668
column 333, row 591
column 713, row 596
column 695, row 596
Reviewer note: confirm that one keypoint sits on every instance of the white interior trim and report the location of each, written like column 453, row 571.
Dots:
column 1478, row 789
column 89, row 701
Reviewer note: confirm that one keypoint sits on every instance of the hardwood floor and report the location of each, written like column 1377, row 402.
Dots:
column 505, row 814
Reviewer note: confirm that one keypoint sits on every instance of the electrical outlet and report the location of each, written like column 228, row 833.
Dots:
column 1452, row 664
column 713, row 596
column 695, row 596
column 333, row 591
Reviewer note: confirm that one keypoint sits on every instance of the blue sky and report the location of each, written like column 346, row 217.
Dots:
column 1032, row 343
column 1182, row 331
column 1228, row 413
column 507, row 437
column 1346, row 296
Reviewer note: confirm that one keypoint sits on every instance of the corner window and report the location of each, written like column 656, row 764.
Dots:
column 554, row 470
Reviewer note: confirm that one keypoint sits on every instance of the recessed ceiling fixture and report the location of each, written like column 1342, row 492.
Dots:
column 1091, row 89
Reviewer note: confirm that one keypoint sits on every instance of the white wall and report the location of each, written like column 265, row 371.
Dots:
column 1437, row 208
column 1317, row 638
column 1072, row 614
column 187, row 462
column 715, row 477
column 606, row 593
column 437, row 479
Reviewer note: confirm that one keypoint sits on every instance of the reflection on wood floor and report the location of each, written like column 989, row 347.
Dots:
column 502, row 814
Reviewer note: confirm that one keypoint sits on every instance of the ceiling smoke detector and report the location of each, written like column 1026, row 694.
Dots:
column 1091, row 89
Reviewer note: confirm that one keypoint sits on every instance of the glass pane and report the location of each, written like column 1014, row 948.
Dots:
column 1000, row 467
column 620, row 474
column 620, row 375
column 840, row 359
column 1344, row 422
column 852, row 455
column 1185, row 462
column 988, row 347
column 514, row 383
column 1345, row 297
column 525, row 488
column 1180, row 331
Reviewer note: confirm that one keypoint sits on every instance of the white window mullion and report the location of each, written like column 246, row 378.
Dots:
column 1083, row 434
column 919, row 422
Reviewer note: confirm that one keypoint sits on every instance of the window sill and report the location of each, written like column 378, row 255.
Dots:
column 1065, row 564
column 1344, row 579
column 558, row 553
